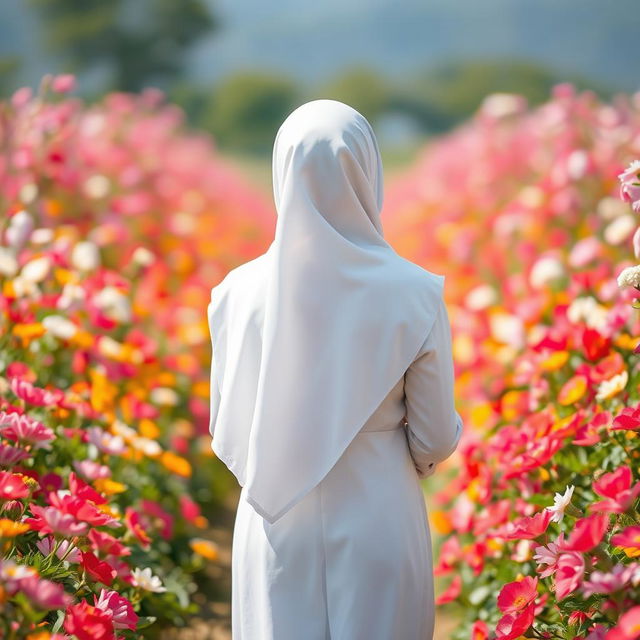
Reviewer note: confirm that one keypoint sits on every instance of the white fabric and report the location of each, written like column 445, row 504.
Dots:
column 353, row 558
column 343, row 315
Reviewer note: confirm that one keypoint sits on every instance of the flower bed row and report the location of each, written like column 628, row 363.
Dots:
column 521, row 209
column 116, row 224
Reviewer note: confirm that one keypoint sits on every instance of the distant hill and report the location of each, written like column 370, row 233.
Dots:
column 313, row 40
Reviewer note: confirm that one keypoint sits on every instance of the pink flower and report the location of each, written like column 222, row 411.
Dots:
column 616, row 487
column 52, row 520
column 123, row 615
column 629, row 623
column 588, row 533
column 63, row 83
column 10, row 455
column 528, row 528
column 629, row 540
column 569, row 572
column 628, row 418
column 614, row 580
column 630, row 185
column 47, row 544
column 515, row 596
column 21, row 428
column 549, row 555
column 35, row 395
column 45, row 594
column 91, row 470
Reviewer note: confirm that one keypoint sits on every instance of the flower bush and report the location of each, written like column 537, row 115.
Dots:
column 530, row 213
column 116, row 224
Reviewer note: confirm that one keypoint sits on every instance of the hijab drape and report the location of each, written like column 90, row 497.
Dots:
column 311, row 336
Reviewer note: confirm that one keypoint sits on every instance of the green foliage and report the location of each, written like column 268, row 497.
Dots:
column 247, row 108
column 139, row 42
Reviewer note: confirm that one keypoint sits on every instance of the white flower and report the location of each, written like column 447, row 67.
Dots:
column 507, row 329
column 560, row 503
column 577, row 163
column 610, row 208
column 629, row 277
column 8, row 262
column 72, row 297
column 144, row 579
column 114, row 304
column 59, row 326
column 612, row 386
column 143, row 257
column 480, row 297
column 587, row 309
column 544, row 271
column 42, row 236
column 36, row 270
column 85, row 256
column 148, row 446
column 103, row 440
column 20, row 228
column 620, row 229
column 97, row 186
column 164, row 396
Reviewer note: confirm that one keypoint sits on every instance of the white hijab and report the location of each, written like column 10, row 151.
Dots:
column 310, row 337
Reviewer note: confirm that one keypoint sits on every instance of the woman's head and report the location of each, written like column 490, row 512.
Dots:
column 326, row 161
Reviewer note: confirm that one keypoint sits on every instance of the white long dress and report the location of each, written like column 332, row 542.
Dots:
column 353, row 560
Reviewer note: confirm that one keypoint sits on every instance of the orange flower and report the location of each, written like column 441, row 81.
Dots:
column 205, row 548
column 572, row 390
column 11, row 528
column 175, row 463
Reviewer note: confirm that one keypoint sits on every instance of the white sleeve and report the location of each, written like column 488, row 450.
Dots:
column 214, row 388
column 434, row 426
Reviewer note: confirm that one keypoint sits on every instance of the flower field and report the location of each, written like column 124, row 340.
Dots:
column 531, row 215
column 116, row 223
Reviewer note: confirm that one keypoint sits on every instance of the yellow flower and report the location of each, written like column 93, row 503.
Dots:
column 555, row 361
column 612, row 386
column 109, row 487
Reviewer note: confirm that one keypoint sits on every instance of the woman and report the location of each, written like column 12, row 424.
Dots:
column 331, row 395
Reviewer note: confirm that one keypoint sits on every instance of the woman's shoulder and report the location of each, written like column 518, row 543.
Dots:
column 245, row 276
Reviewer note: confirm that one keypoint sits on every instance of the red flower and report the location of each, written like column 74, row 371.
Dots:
column 511, row 626
column 88, row 622
column 480, row 630
column 616, row 487
column 588, row 533
column 451, row 592
column 12, row 486
column 97, row 569
column 569, row 573
column 515, row 596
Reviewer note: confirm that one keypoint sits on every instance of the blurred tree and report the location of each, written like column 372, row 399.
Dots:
column 361, row 87
column 9, row 66
column 138, row 41
column 247, row 108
